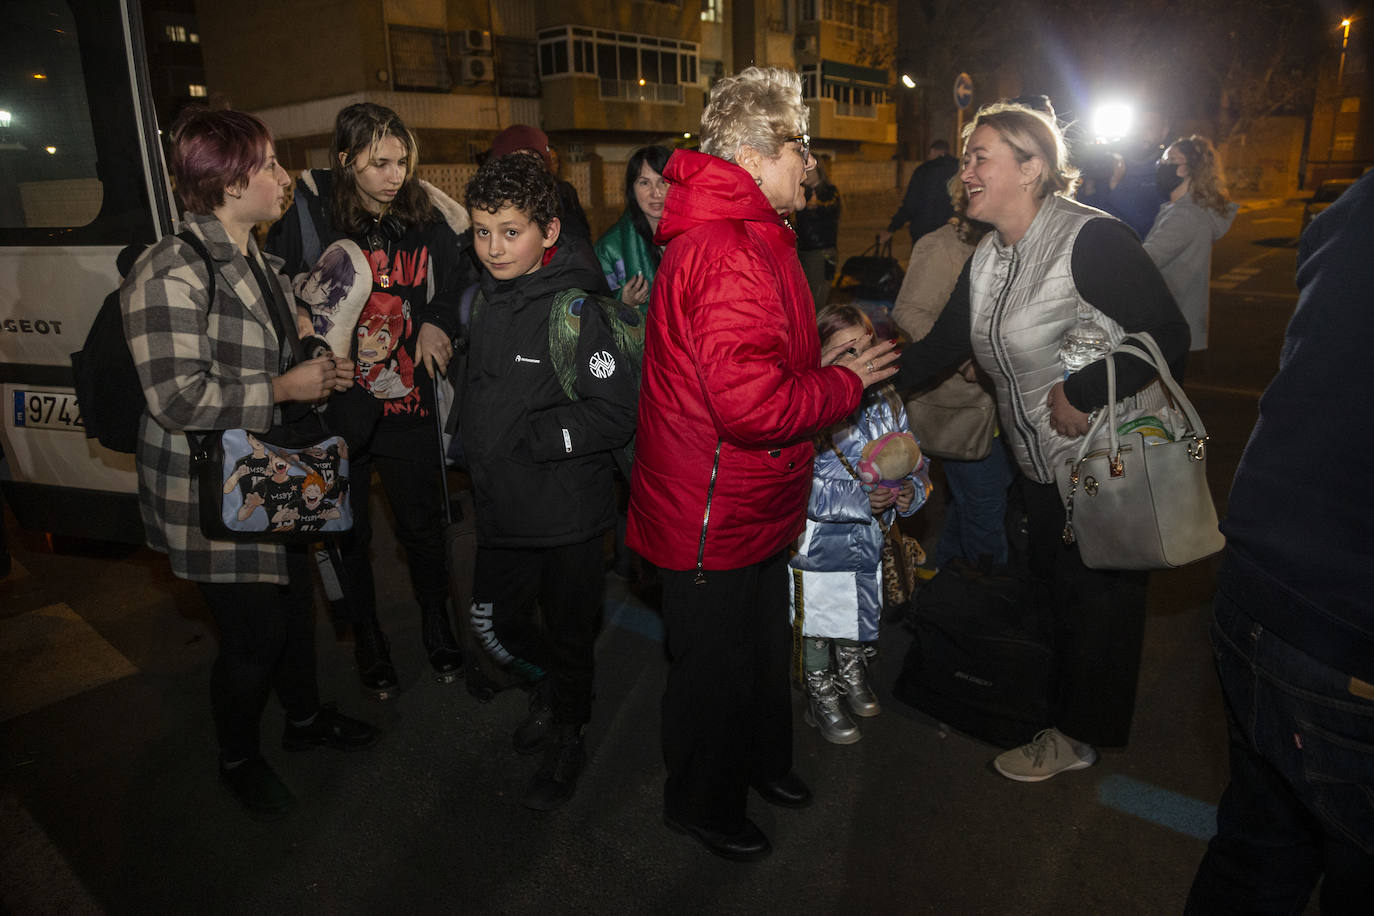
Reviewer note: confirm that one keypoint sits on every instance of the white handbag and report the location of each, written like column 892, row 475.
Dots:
column 1133, row 504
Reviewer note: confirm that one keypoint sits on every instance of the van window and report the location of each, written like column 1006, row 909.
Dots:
column 70, row 168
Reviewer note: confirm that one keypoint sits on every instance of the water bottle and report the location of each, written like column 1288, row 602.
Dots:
column 1086, row 342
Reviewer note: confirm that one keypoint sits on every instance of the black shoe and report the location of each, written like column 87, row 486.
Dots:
column 372, row 650
column 329, row 728
column 785, row 791
column 748, row 844
column 445, row 655
column 256, row 787
column 556, row 779
column 532, row 734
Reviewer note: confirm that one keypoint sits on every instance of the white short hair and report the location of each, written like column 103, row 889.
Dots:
column 758, row 107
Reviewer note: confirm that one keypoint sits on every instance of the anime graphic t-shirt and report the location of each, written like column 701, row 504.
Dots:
column 384, row 344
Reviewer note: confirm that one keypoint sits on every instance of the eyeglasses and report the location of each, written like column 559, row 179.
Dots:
column 805, row 141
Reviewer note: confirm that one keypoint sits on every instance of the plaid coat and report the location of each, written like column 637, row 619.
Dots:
column 204, row 366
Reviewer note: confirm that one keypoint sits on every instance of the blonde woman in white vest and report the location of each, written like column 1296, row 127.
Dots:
column 1053, row 264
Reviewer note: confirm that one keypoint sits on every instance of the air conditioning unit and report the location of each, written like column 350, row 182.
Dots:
column 804, row 44
column 477, row 69
column 473, row 42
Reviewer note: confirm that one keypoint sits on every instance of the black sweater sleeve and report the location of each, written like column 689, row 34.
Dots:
column 1115, row 275
column 945, row 346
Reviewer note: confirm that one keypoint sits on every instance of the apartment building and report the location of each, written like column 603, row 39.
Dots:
column 601, row 77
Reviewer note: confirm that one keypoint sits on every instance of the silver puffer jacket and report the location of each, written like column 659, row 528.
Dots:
column 1023, row 300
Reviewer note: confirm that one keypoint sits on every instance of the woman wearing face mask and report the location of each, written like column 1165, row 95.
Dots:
column 1053, row 265
column 1196, row 214
column 413, row 240
column 627, row 251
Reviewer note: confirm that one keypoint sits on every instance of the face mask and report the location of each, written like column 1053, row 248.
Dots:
column 1167, row 177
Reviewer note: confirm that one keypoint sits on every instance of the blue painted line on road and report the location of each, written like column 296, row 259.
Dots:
column 1172, row 810
column 629, row 614
column 1177, row 812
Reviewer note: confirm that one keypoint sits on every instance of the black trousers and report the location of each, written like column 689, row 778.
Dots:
column 1098, row 627
column 727, row 710
column 546, row 604
column 408, row 464
column 266, row 643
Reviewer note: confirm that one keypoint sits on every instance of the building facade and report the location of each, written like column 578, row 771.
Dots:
column 600, row 77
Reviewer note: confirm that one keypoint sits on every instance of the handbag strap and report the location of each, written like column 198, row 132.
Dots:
column 886, row 529
column 1197, row 449
column 1153, row 356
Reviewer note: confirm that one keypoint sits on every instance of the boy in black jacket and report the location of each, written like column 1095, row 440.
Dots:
column 541, row 464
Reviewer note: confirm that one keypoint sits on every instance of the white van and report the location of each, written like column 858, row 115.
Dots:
column 81, row 177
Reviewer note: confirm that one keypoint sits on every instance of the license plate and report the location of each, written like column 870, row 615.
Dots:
column 47, row 410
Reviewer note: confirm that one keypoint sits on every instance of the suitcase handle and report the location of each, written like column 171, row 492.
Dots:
column 878, row 249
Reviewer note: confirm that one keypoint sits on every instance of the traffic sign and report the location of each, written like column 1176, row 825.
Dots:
column 963, row 90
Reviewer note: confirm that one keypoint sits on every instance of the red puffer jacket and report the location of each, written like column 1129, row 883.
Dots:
column 732, row 389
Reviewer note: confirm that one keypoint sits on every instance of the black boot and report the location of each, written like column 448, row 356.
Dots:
column 372, row 650
column 532, row 734
column 445, row 655
column 554, row 782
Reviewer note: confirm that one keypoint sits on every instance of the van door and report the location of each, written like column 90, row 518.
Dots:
column 81, row 177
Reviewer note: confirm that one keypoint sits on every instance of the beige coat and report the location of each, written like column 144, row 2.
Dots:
column 954, row 405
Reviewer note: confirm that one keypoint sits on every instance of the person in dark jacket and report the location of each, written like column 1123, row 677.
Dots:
column 541, row 464
column 818, row 229
column 926, row 204
column 407, row 237
column 522, row 138
column 1293, row 624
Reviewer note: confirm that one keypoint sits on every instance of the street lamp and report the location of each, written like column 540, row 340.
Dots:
column 1336, row 105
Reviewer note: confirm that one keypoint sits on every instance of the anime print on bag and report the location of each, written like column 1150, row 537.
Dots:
column 252, row 490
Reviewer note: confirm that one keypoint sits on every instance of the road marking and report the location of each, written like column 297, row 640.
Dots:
column 34, row 875
column 1179, row 813
column 1226, row 389
column 629, row 613
column 50, row 654
column 1243, row 271
column 1257, row 293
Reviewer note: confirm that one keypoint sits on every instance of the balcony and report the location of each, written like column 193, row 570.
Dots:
column 635, row 91
column 855, row 110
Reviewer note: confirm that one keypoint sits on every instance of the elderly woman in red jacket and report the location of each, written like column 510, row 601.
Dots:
column 734, row 387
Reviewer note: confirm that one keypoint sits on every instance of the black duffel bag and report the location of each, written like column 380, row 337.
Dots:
column 981, row 657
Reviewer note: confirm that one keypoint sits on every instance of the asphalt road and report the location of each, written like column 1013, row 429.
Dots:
column 109, row 802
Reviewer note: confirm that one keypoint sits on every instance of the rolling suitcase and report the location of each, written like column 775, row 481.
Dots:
column 874, row 274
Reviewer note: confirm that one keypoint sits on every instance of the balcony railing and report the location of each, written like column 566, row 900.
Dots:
column 634, row 91
column 855, row 110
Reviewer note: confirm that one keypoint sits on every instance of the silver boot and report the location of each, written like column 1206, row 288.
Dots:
column 824, row 710
column 852, row 680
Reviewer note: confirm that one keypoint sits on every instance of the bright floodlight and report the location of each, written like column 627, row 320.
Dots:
column 908, row 82
column 1112, row 122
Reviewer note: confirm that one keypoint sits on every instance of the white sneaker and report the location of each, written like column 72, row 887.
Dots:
column 1047, row 754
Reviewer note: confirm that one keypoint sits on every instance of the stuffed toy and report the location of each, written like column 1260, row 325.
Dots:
column 887, row 460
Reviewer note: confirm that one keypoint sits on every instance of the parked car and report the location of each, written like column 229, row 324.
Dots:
column 1325, row 196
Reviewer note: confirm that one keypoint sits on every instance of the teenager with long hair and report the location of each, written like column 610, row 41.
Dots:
column 413, row 239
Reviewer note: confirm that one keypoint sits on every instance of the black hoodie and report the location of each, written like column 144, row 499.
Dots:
column 542, row 464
